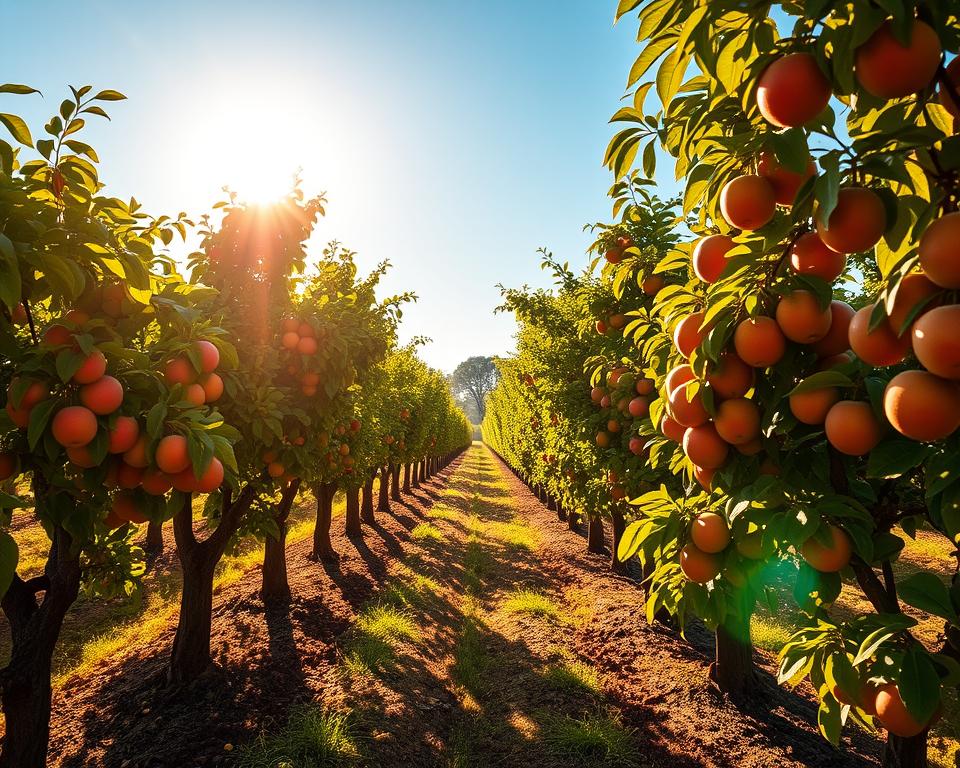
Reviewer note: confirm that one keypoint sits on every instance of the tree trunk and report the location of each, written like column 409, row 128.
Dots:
column 733, row 670
column 322, row 546
column 366, row 502
column 275, row 587
column 384, row 502
column 595, row 535
column 573, row 520
column 395, row 482
column 619, row 524
column 905, row 753
column 414, row 474
column 406, row 479
column 561, row 511
column 353, row 512
column 198, row 560
column 153, row 544
column 422, row 465
column 35, row 628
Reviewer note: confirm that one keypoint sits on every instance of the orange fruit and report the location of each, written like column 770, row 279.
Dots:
column 730, row 376
column 704, row 446
column 602, row 439
column 881, row 346
column 171, row 455
column 123, row 435
column 837, row 340
column 209, row 355
column 936, row 341
column 179, row 371
column 129, row 477
column 812, row 406
column 103, row 396
column 136, row 455
column 155, row 482
column 704, row 476
column 92, row 368
column 212, row 386
column 792, row 90
column 888, row 69
column 710, row 257
column 74, row 426
column 809, row 256
column 710, row 533
column 939, row 248
column 828, row 558
column 856, row 224
column 688, row 335
column 893, row 715
column 922, row 406
column 678, row 376
column 690, row 412
column 759, row 342
column 852, row 428
column 652, row 285
column 698, row 566
column 784, row 182
column 639, row 407
column 126, row 509
column 914, row 289
column 748, row 202
column 290, row 340
column 801, row 318
column 737, row 421
column 672, row 429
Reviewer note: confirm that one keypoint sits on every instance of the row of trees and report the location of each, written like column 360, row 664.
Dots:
column 137, row 395
column 778, row 392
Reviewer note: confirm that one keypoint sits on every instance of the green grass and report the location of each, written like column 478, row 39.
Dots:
column 312, row 738
column 371, row 647
column 515, row 534
column 477, row 561
column 769, row 633
column 470, row 657
column 574, row 676
column 596, row 739
column 387, row 623
column 442, row 513
column 426, row 531
column 535, row 603
column 409, row 589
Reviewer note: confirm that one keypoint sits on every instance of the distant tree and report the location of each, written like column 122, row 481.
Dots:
column 473, row 379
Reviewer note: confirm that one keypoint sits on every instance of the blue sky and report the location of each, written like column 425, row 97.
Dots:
column 452, row 138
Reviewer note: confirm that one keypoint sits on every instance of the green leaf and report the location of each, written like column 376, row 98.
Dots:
column 829, row 719
column 9, row 557
column 894, row 456
column 925, row 591
column 109, row 95
column 822, row 380
column 39, row 417
column 18, row 89
column 919, row 684
column 18, row 128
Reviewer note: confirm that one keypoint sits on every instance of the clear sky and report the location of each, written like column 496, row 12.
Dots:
column 453, row 138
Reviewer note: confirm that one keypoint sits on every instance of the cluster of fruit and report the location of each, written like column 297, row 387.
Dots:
column 301, row 338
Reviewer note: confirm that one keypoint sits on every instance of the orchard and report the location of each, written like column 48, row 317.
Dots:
column 711, row 514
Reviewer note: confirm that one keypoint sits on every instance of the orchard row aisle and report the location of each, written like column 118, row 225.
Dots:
column 468, row 627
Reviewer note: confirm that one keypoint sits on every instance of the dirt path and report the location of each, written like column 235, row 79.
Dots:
column 469, row 628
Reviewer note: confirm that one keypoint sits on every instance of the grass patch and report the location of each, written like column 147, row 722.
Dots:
column 516, row 534
column 442, row 513
column 410, row 589
column 387, row 623
column 574, row 676
column 597, row 738
column 470, row 657
column 367, row 655
column 768, row 633
column 476, row 562
column 535, row 603
column 426, row 531
column 312, row 738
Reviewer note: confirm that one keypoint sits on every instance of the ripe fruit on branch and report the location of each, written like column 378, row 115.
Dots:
column 81, row 457
column 888, row 69
column 155, row 482
column 936, row 341
column 208, row 482
column 852, row 428
column 603, row 439
column 276, row 469
column 699, row 566
column 179, row 371
column 596, row 394
column 856, row 224
column 704, row 446
column 812, row 406
column 893, row 715
column 792, row 90
column 672, row 429
column 652, row 285
column 92, row 368
column 738, row 421
column 730, row 376
column 922, row 406
column 8, row 465
column 194, row 394
column 748, row 202
column 784, row 182
column 810, row 256
column 828, row 558
column 881, row 346
column 639, row 407
column 939, row 247
column 212, row 387
column 759, row 342
column 126, row 508
column 290, row 340
column 129, row 477
column 688, row 335
column 710, row 533
column 614, row 255
column 171, row 455
column 704, row 476
column 136, row 455
column 209, row 355
column 688, row 411
column 678, row 376
column 837, row 340
column 914, row 291
column 801, row 318
column 636, row 446
column 103, row 396
column 74, row 426
column 710, row 257
column 307, row 345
